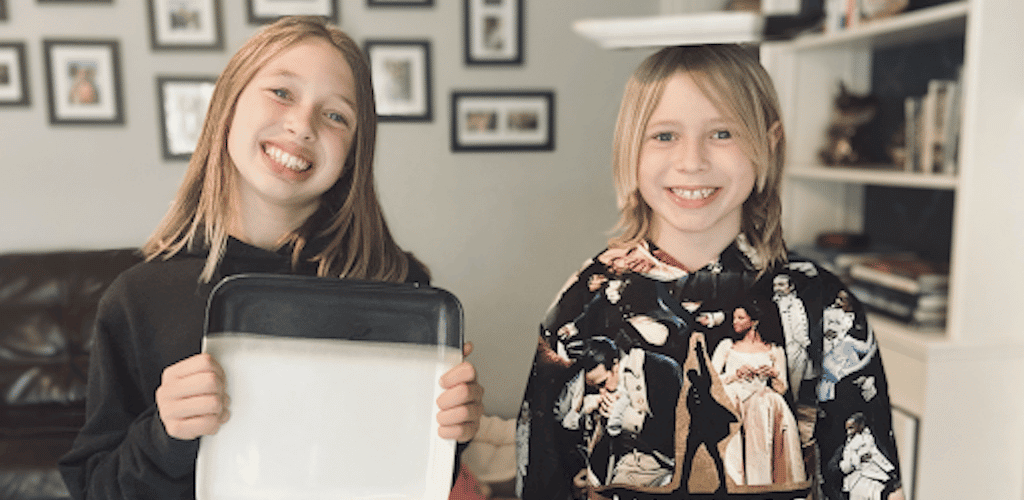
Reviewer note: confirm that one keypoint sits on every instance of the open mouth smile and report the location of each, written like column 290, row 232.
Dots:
column 693, row 194
column 289, row 161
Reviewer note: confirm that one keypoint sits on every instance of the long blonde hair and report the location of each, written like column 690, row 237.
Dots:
column 736, row 83
column 359, row 244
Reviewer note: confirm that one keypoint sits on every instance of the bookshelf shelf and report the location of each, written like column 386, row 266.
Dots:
column 932, row 23
column 877, row 175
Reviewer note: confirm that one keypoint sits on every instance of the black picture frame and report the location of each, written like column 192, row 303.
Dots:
column 268, row 11
column 14, row 89
column 399, row 3
column 402, row 79
column 83, row 79
column 182, row 101
column 493, row 32
column 185, row 25
column 487, row 121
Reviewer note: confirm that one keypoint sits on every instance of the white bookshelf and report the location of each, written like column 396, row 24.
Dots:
column 958, row 380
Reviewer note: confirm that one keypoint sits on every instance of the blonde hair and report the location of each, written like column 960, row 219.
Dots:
column 736, row 83
column 359, row 244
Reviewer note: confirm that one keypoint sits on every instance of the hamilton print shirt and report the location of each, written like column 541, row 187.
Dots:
column 653, row 382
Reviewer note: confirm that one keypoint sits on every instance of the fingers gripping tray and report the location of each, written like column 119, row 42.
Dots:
column 332, row 387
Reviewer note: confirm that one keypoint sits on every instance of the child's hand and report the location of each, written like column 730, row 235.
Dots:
column 461, row 403
column 191, row 400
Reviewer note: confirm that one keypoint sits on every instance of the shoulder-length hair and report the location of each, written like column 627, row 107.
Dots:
column 350, row 219
column 736, row 83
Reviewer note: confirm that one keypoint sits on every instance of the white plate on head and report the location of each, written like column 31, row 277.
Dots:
column 333, row 386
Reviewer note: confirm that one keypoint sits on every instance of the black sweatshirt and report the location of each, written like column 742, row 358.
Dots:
column 151, row 317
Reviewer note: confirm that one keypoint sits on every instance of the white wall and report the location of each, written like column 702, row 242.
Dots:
column 502, row 231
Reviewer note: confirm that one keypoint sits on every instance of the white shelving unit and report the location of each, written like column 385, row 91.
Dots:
column 959, row 381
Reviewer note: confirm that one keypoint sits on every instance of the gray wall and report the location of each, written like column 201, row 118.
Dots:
column 503, row 231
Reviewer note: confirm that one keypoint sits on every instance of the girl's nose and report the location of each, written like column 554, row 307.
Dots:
column 299, row 122
column 690, row 155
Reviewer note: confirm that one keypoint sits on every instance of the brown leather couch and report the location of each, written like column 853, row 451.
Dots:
column 47, row 308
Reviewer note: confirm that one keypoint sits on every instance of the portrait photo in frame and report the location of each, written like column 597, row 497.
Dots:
column 84, row 82
column 493, row 32
column 401, row 79
column 185, row 24
column 183, row 101
column 268, row 11
column 13, row 75
column 503, row 121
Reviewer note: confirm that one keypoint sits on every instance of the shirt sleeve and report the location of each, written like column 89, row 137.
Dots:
column 123, row 450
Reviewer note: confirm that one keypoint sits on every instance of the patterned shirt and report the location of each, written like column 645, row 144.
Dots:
column 725, row 390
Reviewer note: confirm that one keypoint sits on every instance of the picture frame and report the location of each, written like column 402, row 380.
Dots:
column 399, row 3
column 493, row 32
column 503, row 121
column 182, row 102
column 401, row 72
column 84, row 82
column 185, row 25
column 14, row 90
column 268, row 11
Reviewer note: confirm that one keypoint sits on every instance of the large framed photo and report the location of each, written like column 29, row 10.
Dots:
column 183, row 102
column 503, row 121
column 401, row 79
column 13, row 74
column 84, row 81
column 268, row 11
column 493, row 31
column 185, row 24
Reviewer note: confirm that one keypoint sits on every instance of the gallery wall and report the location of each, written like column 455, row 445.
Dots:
column 501, row 230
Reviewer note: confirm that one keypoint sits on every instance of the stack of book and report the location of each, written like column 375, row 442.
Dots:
column 932, row 132
column 904, row 287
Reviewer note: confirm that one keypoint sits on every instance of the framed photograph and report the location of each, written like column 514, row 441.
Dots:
column 503, row 121
column 494, row 31
column 13, row 74
column 401, row 79
column 84, row 81
column 400, row 3
column 268, row 11
column 183, row 101
column 185, row 24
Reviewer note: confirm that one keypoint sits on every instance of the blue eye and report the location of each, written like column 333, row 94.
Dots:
column 664, row 136
column 337, row 117
column 722, row 134
column 282, row 93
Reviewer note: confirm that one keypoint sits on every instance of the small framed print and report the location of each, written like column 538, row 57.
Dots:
column 185, row 24
column 401, row 79
column 84, row 81
column 183, row 102
column 400, row 3
column 503, row 121
column 13, row 75
column 268, row 11
column 493, row 32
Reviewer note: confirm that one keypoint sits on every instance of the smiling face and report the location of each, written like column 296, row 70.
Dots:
column 693, row 172
column 292, row 130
